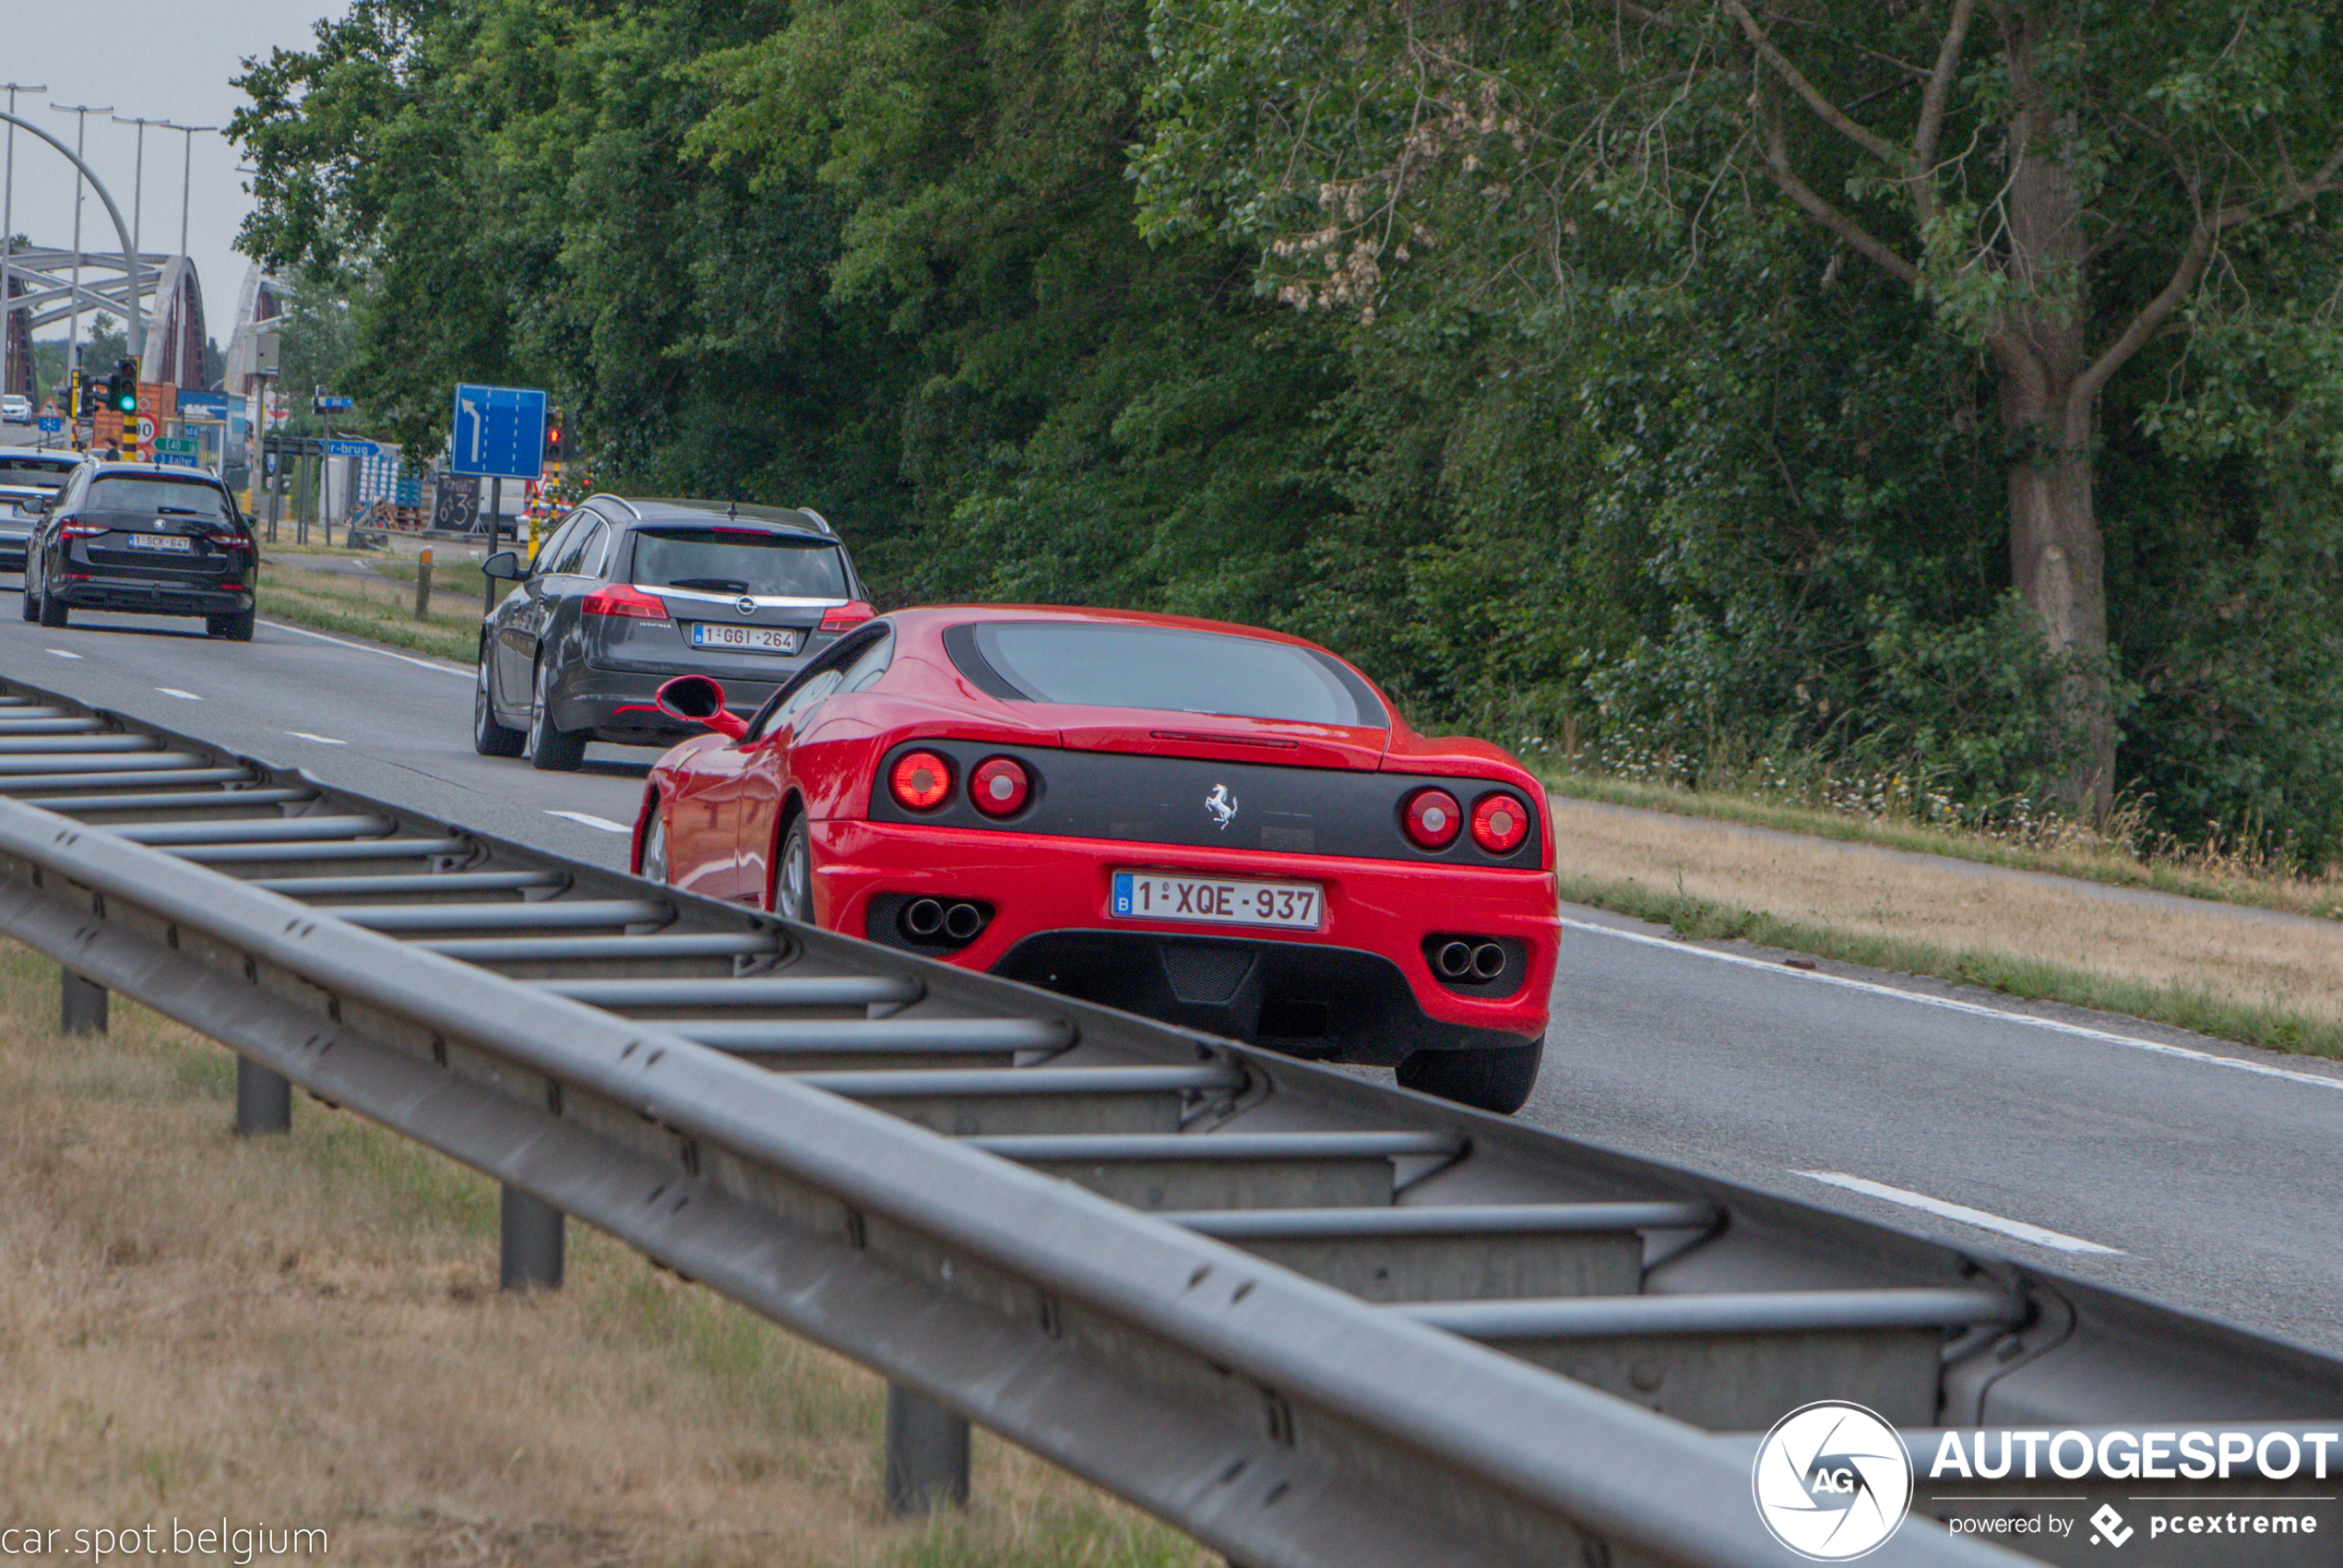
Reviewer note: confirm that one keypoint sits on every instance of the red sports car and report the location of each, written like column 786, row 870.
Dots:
column 1219, row 826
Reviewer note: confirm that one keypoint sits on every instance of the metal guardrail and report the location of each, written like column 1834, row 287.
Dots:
column 1308, row 1318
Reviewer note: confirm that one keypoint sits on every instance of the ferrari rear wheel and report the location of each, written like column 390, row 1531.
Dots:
column 655, row 845
column 1489, row 1077
column 793, row 877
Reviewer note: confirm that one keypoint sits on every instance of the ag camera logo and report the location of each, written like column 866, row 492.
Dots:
column 1832, row 1481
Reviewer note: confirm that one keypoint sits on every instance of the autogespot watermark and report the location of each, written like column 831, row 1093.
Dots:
column 198, row 1541
column 1834, row 1481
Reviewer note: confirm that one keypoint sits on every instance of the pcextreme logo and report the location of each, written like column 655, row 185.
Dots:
column 1832, row 1481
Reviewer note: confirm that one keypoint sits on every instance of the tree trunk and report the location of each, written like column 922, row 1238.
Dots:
column 2057, row 562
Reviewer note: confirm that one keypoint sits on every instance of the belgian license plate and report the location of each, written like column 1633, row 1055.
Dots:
column 179, row 542
column 1154, row 895
column 756, row 639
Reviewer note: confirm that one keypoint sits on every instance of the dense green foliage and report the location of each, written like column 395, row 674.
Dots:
column 1647, row 469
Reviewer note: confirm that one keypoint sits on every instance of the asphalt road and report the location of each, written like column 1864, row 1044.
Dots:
column 2193, row 1170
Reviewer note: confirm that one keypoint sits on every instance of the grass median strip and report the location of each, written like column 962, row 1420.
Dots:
column 307, row 1331
column 2198, row 875
column 2241, row 975
column 379, row 604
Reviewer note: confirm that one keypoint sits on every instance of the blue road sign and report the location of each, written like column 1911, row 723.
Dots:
column 204, row 406
column 176, row 460
column 499, row 433
column 51, row 424
column 341, row 448
column 327, row 405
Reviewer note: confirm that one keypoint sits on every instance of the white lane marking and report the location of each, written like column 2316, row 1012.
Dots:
column 362, row 647
column 1953, row 1004
column 590, row 820
column 321, row 740
column 176, row 692
column 2057, row 1240
column 60, row 653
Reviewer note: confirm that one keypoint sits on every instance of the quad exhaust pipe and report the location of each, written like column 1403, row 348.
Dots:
column 926, row 919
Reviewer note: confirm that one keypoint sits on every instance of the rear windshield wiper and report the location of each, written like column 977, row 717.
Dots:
column 710, row 585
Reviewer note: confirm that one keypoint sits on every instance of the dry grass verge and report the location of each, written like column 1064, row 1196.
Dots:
column 2204, row 873
column 2238, row 974
column 380, row 605
column 306, row 1331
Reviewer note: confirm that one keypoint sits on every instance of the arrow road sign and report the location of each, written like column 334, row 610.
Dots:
column 499, row 433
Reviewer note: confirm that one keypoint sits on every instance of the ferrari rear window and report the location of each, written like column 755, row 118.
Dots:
column 170, row 497
column 774, row 565
column 1168, row 669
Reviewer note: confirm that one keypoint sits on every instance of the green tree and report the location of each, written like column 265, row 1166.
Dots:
column 2059, row 183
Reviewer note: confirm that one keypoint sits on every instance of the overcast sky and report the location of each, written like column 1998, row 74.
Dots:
column 160, row 60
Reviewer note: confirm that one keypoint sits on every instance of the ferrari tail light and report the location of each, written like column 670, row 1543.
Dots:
column 999, row 788
column 619, row 598
column 1433, row 818
column 841, row 617
column 1500, row 822
column 919, row 780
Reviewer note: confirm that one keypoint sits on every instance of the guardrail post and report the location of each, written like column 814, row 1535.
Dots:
column 81, row 1005
column 264, row 1101
column 927, row 1454
column 530, row 1243
column 423, row 585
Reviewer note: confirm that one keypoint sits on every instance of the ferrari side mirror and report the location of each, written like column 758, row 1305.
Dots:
column 698, row 700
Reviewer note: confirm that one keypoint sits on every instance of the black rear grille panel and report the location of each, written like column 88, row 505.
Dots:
column 1160, row 799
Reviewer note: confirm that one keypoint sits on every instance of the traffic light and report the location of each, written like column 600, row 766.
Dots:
column 122, row 389
column 554, row 452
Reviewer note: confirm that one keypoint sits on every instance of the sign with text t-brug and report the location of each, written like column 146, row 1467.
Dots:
column 499, row 433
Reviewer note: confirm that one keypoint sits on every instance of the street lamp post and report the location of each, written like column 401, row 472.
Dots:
column 73, row 337
column 9, row 245
column 188, row 177
column 138, row 201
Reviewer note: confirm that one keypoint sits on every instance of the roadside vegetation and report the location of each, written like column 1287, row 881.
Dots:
column 2126, row 853
column 373, row 597
column 1687, row 377
column 307, row 1330
column 2255, row 976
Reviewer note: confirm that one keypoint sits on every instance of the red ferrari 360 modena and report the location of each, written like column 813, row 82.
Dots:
column 1219, row 826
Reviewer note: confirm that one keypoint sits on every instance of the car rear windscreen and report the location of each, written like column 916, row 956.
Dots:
column 770, row 566
column 28, row 470
column 170, row 497
column 1174, row 671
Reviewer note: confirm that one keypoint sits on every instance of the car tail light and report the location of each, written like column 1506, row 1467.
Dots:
column 82, row 530
column 1433, row 818
column 845, row 616
column 230, row 541
column 999, row 788
column 1499, row 824
column 920, row 780
column 618, row 599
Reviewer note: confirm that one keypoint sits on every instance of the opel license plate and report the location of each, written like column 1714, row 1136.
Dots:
column 1159, row 896
column 756, row 639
